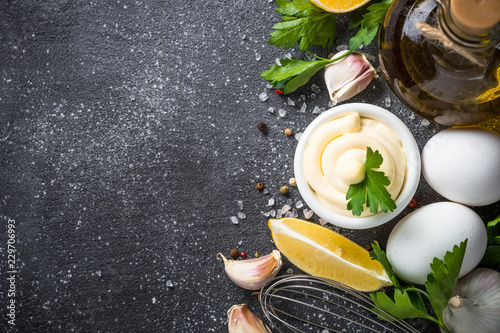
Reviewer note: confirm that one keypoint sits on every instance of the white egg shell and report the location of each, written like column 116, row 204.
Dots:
column 430, row 232
column 463, row 165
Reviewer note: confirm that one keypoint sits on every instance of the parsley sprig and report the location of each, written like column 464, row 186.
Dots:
column 407, row 300
column 305, row 24
column 492, row 255
column 371, row 191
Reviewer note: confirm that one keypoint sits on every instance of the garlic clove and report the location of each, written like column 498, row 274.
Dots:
column 253, row 274
column 242, row 320
column 475, row 303
column 348, row 76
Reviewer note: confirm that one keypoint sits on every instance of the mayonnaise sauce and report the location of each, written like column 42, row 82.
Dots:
column 335, row 155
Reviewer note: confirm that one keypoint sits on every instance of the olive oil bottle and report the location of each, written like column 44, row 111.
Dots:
column 442, row 59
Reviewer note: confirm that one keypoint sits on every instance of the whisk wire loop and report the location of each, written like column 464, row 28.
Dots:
column 330, row 302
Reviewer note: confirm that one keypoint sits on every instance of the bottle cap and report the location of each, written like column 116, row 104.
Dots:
column 475, row 16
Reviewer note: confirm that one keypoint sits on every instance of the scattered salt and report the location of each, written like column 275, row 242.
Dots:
column 278, row 61
column 425, row 122
column 387, row 102
column 240, row 203
column 322, row 221
column 316, row 110
column 315, row 89
column 308, row 214
column 288, row 214
column 270, row 110
column 271, row 202
column 234, row 219
column 342, row 47
column 272, row 213
column 258, row 56
column 242, row 216
column 263, row 96
column 269, row 86
column 281, row 113
column 266, row 214
column 265, row 191
column 278, row 213
column 303, row 97
column 169, row 284
column 297, row 136
column 330, row 103
column 289, row 271
column 98, row 273
column 303, row 108
column 411, row 116
column 285, row 209
column 153, row 300
column 299, row 204
column 291, row 102
column 289, row 202
column 295, row 213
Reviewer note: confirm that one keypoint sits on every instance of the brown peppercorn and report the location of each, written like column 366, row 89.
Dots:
column 234, row 253
column 369, row 247
column 261, row 126
column 288, row 132
column 284, row 189
column 259, row 186
column 292, row 181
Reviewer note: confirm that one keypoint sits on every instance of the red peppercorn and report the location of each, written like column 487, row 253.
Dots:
column 413, row 203
column 279, row 91
column 259, row 186
column 243, row 255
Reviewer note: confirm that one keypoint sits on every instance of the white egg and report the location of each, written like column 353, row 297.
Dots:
column 430, row 232
column 463, row 165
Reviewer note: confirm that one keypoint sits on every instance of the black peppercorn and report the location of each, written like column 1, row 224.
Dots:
column 261, row 126
column 234, row 253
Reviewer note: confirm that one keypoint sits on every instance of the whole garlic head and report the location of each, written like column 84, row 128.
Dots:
column 475, row 303
column 348, row 76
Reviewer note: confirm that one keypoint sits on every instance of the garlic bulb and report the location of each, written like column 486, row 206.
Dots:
column 348, row 76
column 253, row 274
column 475, row 303
column 242, row 320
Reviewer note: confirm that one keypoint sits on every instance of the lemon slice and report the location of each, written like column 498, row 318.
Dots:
column 322, row 252
column 339, row 6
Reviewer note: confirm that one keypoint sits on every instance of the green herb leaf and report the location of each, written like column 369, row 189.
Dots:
column 303, row 23
column 441, row 281
column 439, row 288
column 372, row 189
column 493, row 229
column 492, row 254
column 400, row 308
column 292, row 73
column 400, row 284
column 369, row 24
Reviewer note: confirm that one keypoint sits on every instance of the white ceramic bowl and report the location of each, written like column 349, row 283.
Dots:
column 412, row 170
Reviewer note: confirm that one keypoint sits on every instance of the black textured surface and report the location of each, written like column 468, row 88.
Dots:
column 128, row 139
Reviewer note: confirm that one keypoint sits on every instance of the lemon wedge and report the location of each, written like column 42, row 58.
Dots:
column 322, row 252
column 339, row 6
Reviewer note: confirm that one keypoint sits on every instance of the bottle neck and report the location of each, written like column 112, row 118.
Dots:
column 463, row 35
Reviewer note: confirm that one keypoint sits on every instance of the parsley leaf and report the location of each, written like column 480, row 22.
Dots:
column 294, row 73
column 370, row 21
column 439, row 288
column 303, row 23
column 492, row 255
column 441, row 281
column 372, row 189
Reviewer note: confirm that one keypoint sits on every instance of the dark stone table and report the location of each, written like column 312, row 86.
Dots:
column 128, row 140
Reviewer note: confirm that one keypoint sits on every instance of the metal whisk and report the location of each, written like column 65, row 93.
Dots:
column 302, row 303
